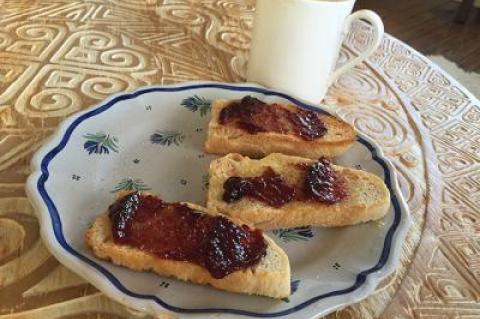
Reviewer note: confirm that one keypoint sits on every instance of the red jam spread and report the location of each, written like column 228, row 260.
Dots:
column 255, row 116
column 175, row 231
column 320, row 183
column 269, row 188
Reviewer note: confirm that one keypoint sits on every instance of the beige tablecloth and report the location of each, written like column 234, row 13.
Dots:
column 59, row 56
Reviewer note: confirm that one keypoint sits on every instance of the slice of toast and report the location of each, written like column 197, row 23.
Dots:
column 224, row 139
column 368, row 198
column 270, row 277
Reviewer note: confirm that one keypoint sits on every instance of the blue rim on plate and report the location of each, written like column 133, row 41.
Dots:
column 57, row 223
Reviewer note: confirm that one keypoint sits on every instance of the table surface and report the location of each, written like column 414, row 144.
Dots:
column 59, row 56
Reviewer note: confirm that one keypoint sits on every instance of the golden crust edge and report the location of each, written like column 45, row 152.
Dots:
column 218, row 142
column 295, row 214
column 250, row 281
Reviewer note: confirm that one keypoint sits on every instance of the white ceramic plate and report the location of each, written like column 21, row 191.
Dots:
column 151, row 139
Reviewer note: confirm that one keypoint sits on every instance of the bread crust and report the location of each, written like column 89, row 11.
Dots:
column 368, row 199
column 258, row 280
column 224, row 139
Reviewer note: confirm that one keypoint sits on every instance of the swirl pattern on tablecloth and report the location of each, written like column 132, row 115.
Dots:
column 360, row 38
column 99, row 48
column 359, row 85
column 100, row 87
column 379, row 126
column 52, row 102
column 238, row 39
column 32, row 40
column 65, row 90
column 196, row 18
column 235, row 7
column 5, row 40
column 21, row 250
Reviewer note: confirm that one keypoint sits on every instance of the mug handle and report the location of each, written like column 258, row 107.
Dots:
column 378, row 28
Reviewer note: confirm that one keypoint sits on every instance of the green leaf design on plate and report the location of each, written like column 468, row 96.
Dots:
column 167, row 138
column 195, row 103
column 130, row 184
column 100, row 143
column 303, row 233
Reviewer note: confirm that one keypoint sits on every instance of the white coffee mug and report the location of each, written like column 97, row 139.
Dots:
column 296, row 43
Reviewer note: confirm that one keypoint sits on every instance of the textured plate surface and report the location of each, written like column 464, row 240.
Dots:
column 152, row 139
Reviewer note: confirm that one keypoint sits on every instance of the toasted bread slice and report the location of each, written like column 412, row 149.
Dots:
column 270, row 277
column 224, row 139
column 368, row 198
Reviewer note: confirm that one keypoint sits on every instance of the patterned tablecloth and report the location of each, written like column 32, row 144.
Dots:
column 59, row 56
